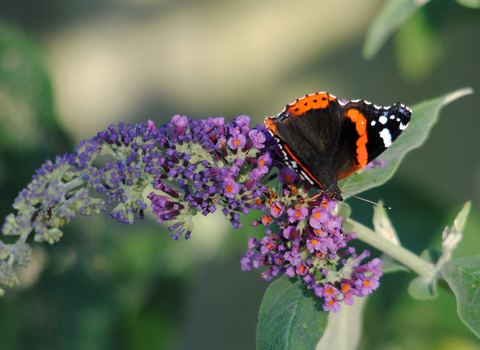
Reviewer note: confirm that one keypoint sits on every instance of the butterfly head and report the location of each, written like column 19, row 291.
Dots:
column 334, row 192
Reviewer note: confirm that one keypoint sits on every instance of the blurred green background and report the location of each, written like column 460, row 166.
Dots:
column 69, row 69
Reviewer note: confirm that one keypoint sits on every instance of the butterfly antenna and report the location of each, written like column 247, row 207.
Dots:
column 368, row 201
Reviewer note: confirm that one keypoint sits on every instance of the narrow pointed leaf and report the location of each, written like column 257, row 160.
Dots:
column 382, row 224
column 451, row 236
column 392, row 15
column 461, row 219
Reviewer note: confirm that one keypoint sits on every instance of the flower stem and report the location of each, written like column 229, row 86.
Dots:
column 79, row 181
column 402, row 255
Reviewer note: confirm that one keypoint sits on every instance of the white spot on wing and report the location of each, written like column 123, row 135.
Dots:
column 387, row 137
column 382, row 119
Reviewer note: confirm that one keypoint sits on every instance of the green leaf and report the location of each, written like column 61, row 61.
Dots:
column 424, row 117
column 463, row 277
column 391, row 16
column 382, row 224
column 344, row 328
column 474, row 4
column 451, row 236
column 431, row 255
column 423, row 288
column 461, row 219
column 390, row 265
column 418, row 50
column 291, row 317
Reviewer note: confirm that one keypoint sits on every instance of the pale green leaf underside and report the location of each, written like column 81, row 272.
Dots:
column 344, row 328
column 423, row 288
column 463, row 276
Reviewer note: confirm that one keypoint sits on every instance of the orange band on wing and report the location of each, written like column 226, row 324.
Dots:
column 304, row 104
column 361, row 126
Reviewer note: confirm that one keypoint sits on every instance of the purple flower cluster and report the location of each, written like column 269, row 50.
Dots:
column 311, row 244
column 62, row 189
column 214, row 164
column 195, row 166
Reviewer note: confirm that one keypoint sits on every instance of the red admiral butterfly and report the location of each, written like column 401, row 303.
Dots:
column 325, row 140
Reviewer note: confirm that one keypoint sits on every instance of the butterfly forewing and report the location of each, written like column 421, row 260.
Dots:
column 324, row 140
column 311, row 130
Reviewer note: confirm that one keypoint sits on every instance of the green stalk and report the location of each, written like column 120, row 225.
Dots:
column 402, row 255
